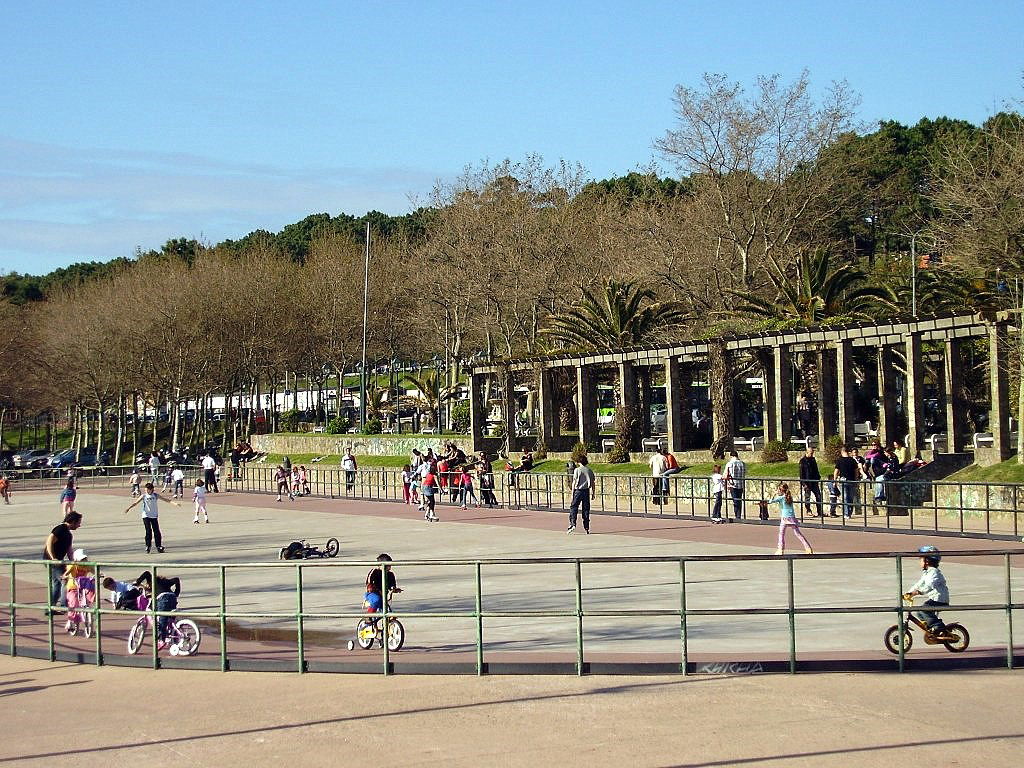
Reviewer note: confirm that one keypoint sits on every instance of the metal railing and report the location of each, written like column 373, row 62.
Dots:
column 986, row 510
column 238, row 633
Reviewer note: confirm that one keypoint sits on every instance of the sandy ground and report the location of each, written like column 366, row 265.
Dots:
column 123, row 717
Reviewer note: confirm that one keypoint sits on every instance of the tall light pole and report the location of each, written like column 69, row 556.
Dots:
column 366, row 304
column 913, row 267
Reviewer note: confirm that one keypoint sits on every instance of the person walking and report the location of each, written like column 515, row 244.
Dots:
column 847, row 476
column 154, row 466
column 5, row 489
column 210, row 473
column 178, row 482
column 584, row 488
column 788, row 520
column 810, row 481
column 348, row 463
column 717, row 490
column 150, row 516
column 68, row 496
column 199, row 499
column 58, row 546
column 657, row 462
column 735, row 477
column 281, row 479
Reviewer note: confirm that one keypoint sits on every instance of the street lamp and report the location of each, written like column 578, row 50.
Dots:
column 913, row 267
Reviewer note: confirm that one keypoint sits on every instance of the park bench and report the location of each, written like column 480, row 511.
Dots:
column 863, row 432
column 748, row 444
column 607, row 444
column 319, row 428
column 652, row 444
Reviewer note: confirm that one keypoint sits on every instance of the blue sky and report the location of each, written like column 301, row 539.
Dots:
column 126, row 124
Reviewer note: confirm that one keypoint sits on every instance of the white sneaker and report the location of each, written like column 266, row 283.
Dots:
column 570, row 529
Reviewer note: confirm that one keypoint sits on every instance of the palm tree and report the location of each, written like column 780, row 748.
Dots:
column 432, row 391
column 816, row 293
column 624, row 315
column 616, row 319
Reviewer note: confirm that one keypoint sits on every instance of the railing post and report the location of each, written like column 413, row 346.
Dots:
column 1009, row 615
column 153, row 618
column 14, row 618
column 385, row 624
column 900, row 623
column 682, row 616
column 223, row 621
column 300, row 626
column 97, row 621
column 792, row 615
column 479, row 622
column 49, row 613
column 579, row 618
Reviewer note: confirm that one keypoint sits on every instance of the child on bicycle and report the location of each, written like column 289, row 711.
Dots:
column 166, row 592
column 931, row 586
column 373, row 600
column 80, row 587
column 123, row 595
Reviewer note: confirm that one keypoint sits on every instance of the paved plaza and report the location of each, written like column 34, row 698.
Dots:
column 251, row 528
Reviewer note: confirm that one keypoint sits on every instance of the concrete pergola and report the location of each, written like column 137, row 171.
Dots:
column 835, row 347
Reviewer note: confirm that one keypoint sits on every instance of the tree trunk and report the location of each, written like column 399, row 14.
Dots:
column 99, row 432
column 136, row 427
column 721, row 398
column 120, row 429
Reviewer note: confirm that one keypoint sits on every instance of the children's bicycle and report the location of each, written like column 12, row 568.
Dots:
column 371, row 630
column 955, row 637
column 80, row 607
column 182, row 636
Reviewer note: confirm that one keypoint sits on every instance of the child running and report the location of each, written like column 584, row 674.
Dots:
column 406, row 484
column 466, row 483
column 788, row 520
column 136, row 483
column 199, row 499
column 67, row 497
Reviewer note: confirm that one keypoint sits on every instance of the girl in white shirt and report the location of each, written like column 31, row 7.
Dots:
column 199, row 498
column 717, row 489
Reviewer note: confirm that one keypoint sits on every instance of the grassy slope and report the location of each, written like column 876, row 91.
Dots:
column 1007, row 472
column 547, row 466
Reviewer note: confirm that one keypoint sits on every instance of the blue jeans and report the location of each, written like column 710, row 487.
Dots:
column 580, row 500
column 58, row 595
column 165, row 601
column 848, row 489
column 929, row 618
column 737, row 502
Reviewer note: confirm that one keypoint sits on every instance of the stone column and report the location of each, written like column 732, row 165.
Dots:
column 886, row 396
column 765, row 362
column 953, row 381
column 508, row 408
column 548, row 427
column 781, row 394
column 914, row 405
column 999, row 415
column 678, row 420
column 827, row 405
column 844, row 390
column 477, row 410
column 628, row 398
column 586, row 406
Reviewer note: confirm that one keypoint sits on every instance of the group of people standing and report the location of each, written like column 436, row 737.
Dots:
column 878, row 465
column 430, row 475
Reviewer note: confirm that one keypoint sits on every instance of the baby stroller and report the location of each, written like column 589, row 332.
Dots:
column 80, row 600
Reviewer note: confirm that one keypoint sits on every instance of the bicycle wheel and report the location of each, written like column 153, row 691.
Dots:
column 396, row 635
column 962, row 638
column 333, row 547
column 365, row 634
column 187, row 636
column 892, row 639
column 137, row 636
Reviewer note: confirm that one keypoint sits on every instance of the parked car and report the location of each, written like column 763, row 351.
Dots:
column 31, row 459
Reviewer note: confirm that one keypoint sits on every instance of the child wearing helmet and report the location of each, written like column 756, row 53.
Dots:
column 931, row 586
column 373, row 600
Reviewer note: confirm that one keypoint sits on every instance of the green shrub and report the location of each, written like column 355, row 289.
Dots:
column 833, row 449
column 337, row 426
column 373, row 427
column 774, row 451
column 578, row 451
column 460, row 417
column 499, row 430
column 289, row 421
column 540, row 451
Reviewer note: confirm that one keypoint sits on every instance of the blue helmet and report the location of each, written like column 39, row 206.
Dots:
column 930, row 553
